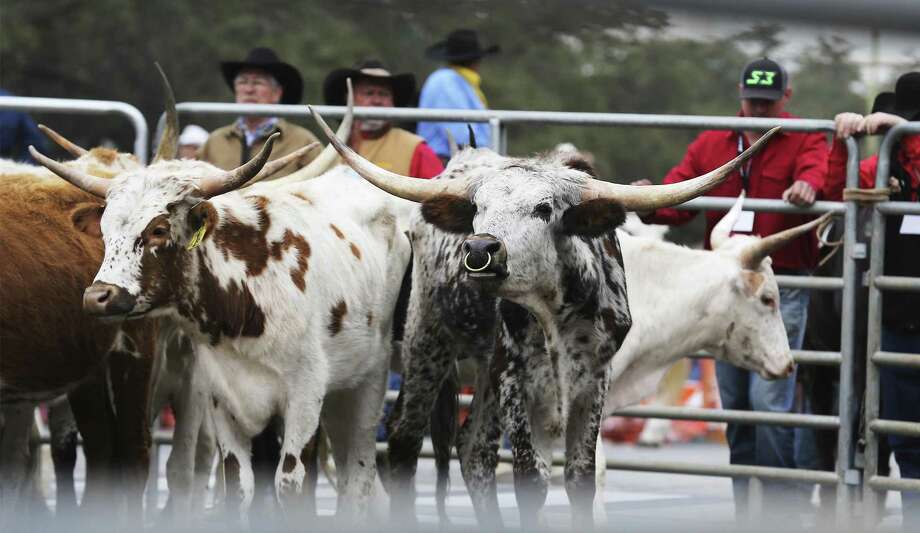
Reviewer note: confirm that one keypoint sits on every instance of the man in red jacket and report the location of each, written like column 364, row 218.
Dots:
column 791, row 167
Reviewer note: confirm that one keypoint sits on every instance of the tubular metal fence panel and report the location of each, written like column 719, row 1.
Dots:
column 85, row 107
column 878, row 283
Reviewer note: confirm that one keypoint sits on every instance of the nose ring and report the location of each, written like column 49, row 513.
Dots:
column 480, row 269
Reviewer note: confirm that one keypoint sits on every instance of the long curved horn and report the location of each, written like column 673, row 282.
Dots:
column 63, row 142
column 91, row 184
column 277, row 164
column 647, row 198
column 723, row 228
column 472, row 135
column 755, row 253
column 412, row 189
column 169, row 140
column 233, row 179
column 327, row 158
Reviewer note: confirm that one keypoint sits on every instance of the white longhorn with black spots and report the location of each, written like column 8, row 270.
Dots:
column 725, row 301
column 539, row 234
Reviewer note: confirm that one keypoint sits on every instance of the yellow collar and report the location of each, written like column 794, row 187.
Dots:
column 474, row 79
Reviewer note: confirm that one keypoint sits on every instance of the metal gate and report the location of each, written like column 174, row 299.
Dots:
column 878, row 283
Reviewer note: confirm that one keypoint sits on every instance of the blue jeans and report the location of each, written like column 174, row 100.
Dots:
column 900, row 396
column 394, row 380
column 745, row 390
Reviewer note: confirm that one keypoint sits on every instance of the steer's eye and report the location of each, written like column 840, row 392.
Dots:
column 768, row 301
column 159, row 232
column 543, row 210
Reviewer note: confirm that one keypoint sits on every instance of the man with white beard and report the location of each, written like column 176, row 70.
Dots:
column 379, row 141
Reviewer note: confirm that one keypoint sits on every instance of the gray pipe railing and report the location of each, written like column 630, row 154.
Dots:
column 695, row 413
column 801, row 357
column 511, row 116
column 676, row 467
column 497, row 118
column 86, row 107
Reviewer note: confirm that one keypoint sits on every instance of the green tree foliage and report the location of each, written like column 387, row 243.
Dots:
column 824, row 80
column 763, row 35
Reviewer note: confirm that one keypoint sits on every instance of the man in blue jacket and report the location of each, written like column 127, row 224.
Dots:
column 17, row 132
column 455, row 86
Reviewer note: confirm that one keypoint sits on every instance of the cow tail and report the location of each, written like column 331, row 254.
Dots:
column 444, row 434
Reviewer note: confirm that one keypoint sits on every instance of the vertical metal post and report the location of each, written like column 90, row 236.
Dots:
column 151, row 496
column 848, row 479
column 495, row 124
column 755, row 501
column 874, row 335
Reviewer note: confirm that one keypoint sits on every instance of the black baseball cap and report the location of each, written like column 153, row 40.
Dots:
column 764, row 79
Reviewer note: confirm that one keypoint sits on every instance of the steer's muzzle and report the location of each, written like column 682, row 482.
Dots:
column 785, row 372
column 484, row 256
column 103, row 299
column 790, row 369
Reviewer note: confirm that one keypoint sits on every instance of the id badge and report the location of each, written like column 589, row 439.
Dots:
column 745, row 222
column 910, row 225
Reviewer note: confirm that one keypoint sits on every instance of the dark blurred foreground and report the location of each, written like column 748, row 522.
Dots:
column 634, row 501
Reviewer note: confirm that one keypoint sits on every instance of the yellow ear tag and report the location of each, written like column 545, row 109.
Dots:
column 197, row 237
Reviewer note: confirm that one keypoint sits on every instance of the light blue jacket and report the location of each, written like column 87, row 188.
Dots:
column 446, row 89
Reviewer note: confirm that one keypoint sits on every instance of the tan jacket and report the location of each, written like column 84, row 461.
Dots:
column 393, row 151
column 225, row 146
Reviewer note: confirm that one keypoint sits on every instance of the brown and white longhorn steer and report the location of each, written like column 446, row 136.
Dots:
column 286, row 292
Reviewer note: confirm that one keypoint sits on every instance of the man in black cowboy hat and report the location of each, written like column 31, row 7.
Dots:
column 261, row 78
column 455, row 86
column 900, row 387
column 380, row 142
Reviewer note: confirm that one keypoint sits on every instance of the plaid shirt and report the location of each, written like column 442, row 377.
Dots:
column 261, row 132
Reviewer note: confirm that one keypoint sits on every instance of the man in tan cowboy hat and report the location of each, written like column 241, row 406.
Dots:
column 455, row 86
column 380, row 142
column 261, row 78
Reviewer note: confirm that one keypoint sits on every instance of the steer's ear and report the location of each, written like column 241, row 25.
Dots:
column 203, row 215
column 578, row 161
column 449, row 212
column 86, row 217
column 593, row 218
